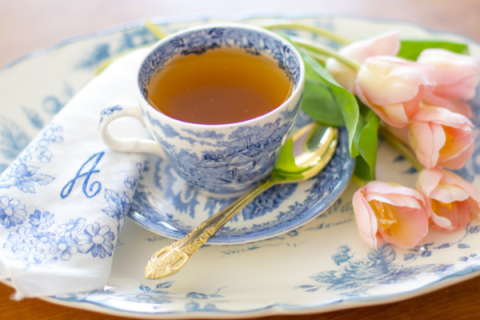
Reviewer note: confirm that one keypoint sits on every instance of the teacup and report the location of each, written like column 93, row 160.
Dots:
column 220, row 159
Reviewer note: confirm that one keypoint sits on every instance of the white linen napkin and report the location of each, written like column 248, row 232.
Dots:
column 64, row 199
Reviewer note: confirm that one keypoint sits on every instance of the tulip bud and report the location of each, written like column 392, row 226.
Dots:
column 386, row 44
column 394, row 87
column 390, row 213
column 456, row 78
column 451, row 202
column 441, row 137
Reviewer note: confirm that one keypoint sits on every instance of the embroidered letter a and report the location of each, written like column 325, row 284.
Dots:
column 96, row 184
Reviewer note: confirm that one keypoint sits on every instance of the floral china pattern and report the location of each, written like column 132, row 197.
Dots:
column 248, row 152
column 187, row 204
column 236, row 157
column 345, row 274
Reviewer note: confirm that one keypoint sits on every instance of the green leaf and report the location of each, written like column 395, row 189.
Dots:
column 411, row 49
column 338, row 104
column 367, row 144
column 286, row 161
column 317, row 94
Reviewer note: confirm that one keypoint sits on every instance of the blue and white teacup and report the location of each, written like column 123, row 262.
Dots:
column 225, row 159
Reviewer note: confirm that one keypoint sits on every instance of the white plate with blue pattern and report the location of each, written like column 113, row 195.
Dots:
column 321, row 266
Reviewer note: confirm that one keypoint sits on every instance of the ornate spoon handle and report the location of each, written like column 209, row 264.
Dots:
column 171, row 259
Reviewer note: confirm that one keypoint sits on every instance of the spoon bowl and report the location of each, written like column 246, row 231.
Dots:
column 303, row 156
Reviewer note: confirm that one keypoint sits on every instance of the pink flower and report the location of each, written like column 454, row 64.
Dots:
column 441, row 137
column 456, row 78
column 391, row 213
column 451, row 201
column 386, row 44
column 394, row 87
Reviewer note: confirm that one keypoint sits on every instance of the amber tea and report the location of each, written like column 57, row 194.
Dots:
column 219, row 87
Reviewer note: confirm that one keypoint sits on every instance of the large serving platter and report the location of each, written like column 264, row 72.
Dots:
column 319, row 267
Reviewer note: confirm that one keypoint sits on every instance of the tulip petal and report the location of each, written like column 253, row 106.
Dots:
column 384, row 188
column 427, row 180
column 458, row 161
column 345, row 76
column 396, row 199
column 462, row 89
column 392, row 114
column 411, row 227
column 459, row 141
column 366, row 220
column 426, row 140
column 457, row 215
column 452, row 203
column 473, row 209
column 456, row 75
column 454, row 105
column 386, row 44
column 461, row 107
column 442, row 116
column 448, row 193
column 389, row 80
column 452, row 178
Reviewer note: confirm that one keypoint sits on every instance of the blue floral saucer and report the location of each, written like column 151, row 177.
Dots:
column 165, row 204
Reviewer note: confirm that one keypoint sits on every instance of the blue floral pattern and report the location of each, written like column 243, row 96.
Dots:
column 12, row 213
column 96, row 240
column 361, row 275
column 129, row 39
column 118, row 206
column 12, row 139
column 24, row 177
column 41, row 242
column 183, row 199
column 249, row 152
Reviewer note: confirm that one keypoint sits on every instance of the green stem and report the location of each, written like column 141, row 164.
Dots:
column 319, row 31
column 157, row 32
column 320, row 58
column 401, row 147
column 358, row 182
column 327, row 52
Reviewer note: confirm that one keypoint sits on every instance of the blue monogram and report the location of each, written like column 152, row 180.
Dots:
column 69, row 186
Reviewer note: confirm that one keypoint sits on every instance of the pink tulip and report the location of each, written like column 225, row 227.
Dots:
column 394, row 87
column 390, row 213
column 451, row 201
column 456, row 78
column 385, row 44
column 441, row 137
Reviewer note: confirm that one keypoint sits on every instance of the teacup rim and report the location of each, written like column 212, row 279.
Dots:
column 296, row 91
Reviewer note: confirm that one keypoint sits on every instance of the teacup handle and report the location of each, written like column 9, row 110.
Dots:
column 127, row 144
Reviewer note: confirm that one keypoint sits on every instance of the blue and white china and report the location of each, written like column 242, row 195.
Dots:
column 319, row 267
column 167, row 205
column 225, row 159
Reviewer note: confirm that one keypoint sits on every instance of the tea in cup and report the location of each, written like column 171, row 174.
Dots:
column 219, row 101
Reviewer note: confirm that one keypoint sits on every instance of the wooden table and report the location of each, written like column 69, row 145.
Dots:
column 26, row 25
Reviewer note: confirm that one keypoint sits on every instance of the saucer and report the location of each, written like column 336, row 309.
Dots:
column 167, row 205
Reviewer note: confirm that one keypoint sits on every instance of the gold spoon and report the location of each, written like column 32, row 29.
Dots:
column 308, row 151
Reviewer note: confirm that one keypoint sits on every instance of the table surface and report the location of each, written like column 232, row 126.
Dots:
column 27, row 25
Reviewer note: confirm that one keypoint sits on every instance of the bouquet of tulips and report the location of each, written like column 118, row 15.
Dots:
column 414, row 94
